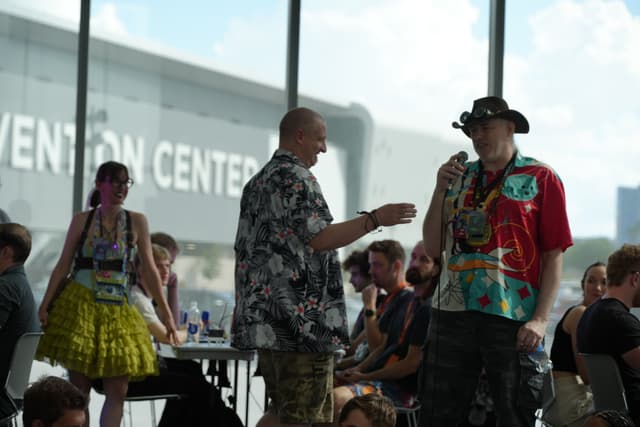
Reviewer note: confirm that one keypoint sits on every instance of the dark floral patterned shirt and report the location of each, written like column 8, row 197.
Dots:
column 288, row 297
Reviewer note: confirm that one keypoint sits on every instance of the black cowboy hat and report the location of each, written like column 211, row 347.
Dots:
column 491, row 107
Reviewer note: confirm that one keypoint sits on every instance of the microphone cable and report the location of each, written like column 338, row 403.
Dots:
column 462, row 158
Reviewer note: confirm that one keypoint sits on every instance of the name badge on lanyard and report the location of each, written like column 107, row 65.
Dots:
column 472, row 227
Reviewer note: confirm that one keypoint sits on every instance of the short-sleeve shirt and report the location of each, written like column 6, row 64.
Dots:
column 391, row 324
column 358, row 326
column 288, row 296
column 144, row 305
column 526, row 216
column 17, row 316
column 416, row 335
column 607, row 326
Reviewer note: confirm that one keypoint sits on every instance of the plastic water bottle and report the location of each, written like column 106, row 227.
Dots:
column 205, row 324
column 184, row 317
column 193, row 327
column 541, row 360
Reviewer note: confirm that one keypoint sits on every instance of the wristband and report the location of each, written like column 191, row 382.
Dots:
column 374, row 220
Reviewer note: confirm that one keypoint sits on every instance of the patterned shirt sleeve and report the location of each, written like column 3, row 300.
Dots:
column 308, row 208
column 554, row 223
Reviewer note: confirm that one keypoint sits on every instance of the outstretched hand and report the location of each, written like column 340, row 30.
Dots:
column 396, row 213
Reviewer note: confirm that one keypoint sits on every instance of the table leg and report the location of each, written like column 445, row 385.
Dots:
column 246, row 406
column 235, row 384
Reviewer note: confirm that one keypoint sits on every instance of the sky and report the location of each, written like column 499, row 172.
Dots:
column 572, row 67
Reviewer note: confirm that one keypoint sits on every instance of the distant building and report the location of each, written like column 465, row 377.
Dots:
column 190, row 135
column 628, row 215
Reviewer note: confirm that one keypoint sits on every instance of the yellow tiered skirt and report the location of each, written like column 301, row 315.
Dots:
column 97, row 340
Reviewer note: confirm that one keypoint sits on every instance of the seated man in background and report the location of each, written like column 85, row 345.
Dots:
column 357, row 264
column 54, row 402
column 17, row 306
column 370, row 410
column 397, row 377
column 383, row 322
column 607, row 326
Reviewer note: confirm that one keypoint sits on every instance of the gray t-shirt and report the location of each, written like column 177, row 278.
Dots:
column 17, row 316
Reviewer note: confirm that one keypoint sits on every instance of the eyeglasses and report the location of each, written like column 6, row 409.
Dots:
column 117, row 183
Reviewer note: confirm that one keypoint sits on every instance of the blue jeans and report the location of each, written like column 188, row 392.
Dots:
column 459, row 345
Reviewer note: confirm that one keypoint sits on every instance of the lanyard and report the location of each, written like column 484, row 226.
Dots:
column 103, row 246
column 407, row 319
column 480, row 193
column 389, row 299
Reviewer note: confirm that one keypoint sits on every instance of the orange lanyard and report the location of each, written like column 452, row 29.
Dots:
column 389, row 299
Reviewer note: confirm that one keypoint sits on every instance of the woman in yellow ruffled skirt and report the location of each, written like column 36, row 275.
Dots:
column 90, row 328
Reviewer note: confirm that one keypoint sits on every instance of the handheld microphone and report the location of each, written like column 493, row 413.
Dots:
column 460, row 158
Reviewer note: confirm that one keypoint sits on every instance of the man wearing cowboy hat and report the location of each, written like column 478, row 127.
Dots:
column 499, row 225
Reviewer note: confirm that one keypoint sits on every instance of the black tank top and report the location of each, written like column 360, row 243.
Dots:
column 561, row 350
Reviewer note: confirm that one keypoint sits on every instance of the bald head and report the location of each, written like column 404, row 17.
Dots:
column 17, row 238
column 298, row 118
column 303, row 132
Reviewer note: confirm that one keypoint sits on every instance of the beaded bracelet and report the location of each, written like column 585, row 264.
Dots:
column 374, row 219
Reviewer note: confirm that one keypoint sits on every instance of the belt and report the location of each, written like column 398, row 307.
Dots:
column 88, row 264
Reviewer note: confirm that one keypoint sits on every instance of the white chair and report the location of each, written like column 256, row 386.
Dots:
column 151, row 399
column 20, row 370
column 606, row 383
column 98, row 387
column 410, row 413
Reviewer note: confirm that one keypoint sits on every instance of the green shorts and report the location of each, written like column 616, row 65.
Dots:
column 300, row 385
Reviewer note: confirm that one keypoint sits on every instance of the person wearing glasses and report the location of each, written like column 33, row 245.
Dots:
column 608, row 326
column 89, row 326
column 499, row 226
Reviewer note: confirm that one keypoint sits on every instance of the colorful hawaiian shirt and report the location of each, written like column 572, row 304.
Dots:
column 526, row 216
column 288, row 297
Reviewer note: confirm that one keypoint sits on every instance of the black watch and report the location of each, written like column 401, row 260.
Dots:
column 369, row 313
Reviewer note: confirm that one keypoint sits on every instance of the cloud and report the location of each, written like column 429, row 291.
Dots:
column 68, row 10
column 106, row 19
column 580, row 87
column 417, row 64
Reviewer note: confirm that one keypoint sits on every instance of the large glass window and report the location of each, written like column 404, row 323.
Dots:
column 571, row 68
column 413, row 67
column 37, row 125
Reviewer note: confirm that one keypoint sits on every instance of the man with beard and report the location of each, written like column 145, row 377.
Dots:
column 398, row 378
